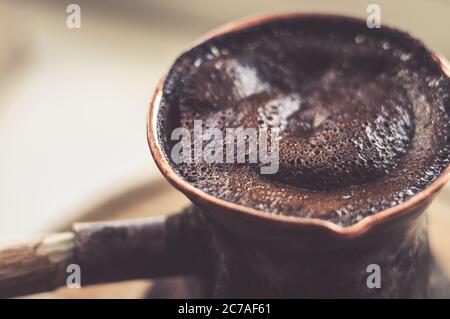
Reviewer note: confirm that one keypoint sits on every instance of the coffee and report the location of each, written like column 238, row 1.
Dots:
column 363, row 115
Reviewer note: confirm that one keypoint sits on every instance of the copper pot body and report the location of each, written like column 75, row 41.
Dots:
column 261, row 255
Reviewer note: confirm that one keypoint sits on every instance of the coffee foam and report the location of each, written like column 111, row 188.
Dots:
column 363, row 115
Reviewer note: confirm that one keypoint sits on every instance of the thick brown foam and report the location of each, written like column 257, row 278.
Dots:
column 363, row 115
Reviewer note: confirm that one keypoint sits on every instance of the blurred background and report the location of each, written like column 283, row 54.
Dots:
column 73, row 102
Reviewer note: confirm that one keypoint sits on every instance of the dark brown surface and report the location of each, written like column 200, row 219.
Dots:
column 353, row 106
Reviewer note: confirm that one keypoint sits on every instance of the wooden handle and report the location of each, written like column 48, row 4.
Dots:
column 35, row 265
column 105, row 252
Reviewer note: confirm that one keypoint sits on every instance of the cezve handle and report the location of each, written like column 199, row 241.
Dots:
column 105, row 252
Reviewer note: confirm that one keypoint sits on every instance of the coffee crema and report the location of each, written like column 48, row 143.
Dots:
column 363, row 115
